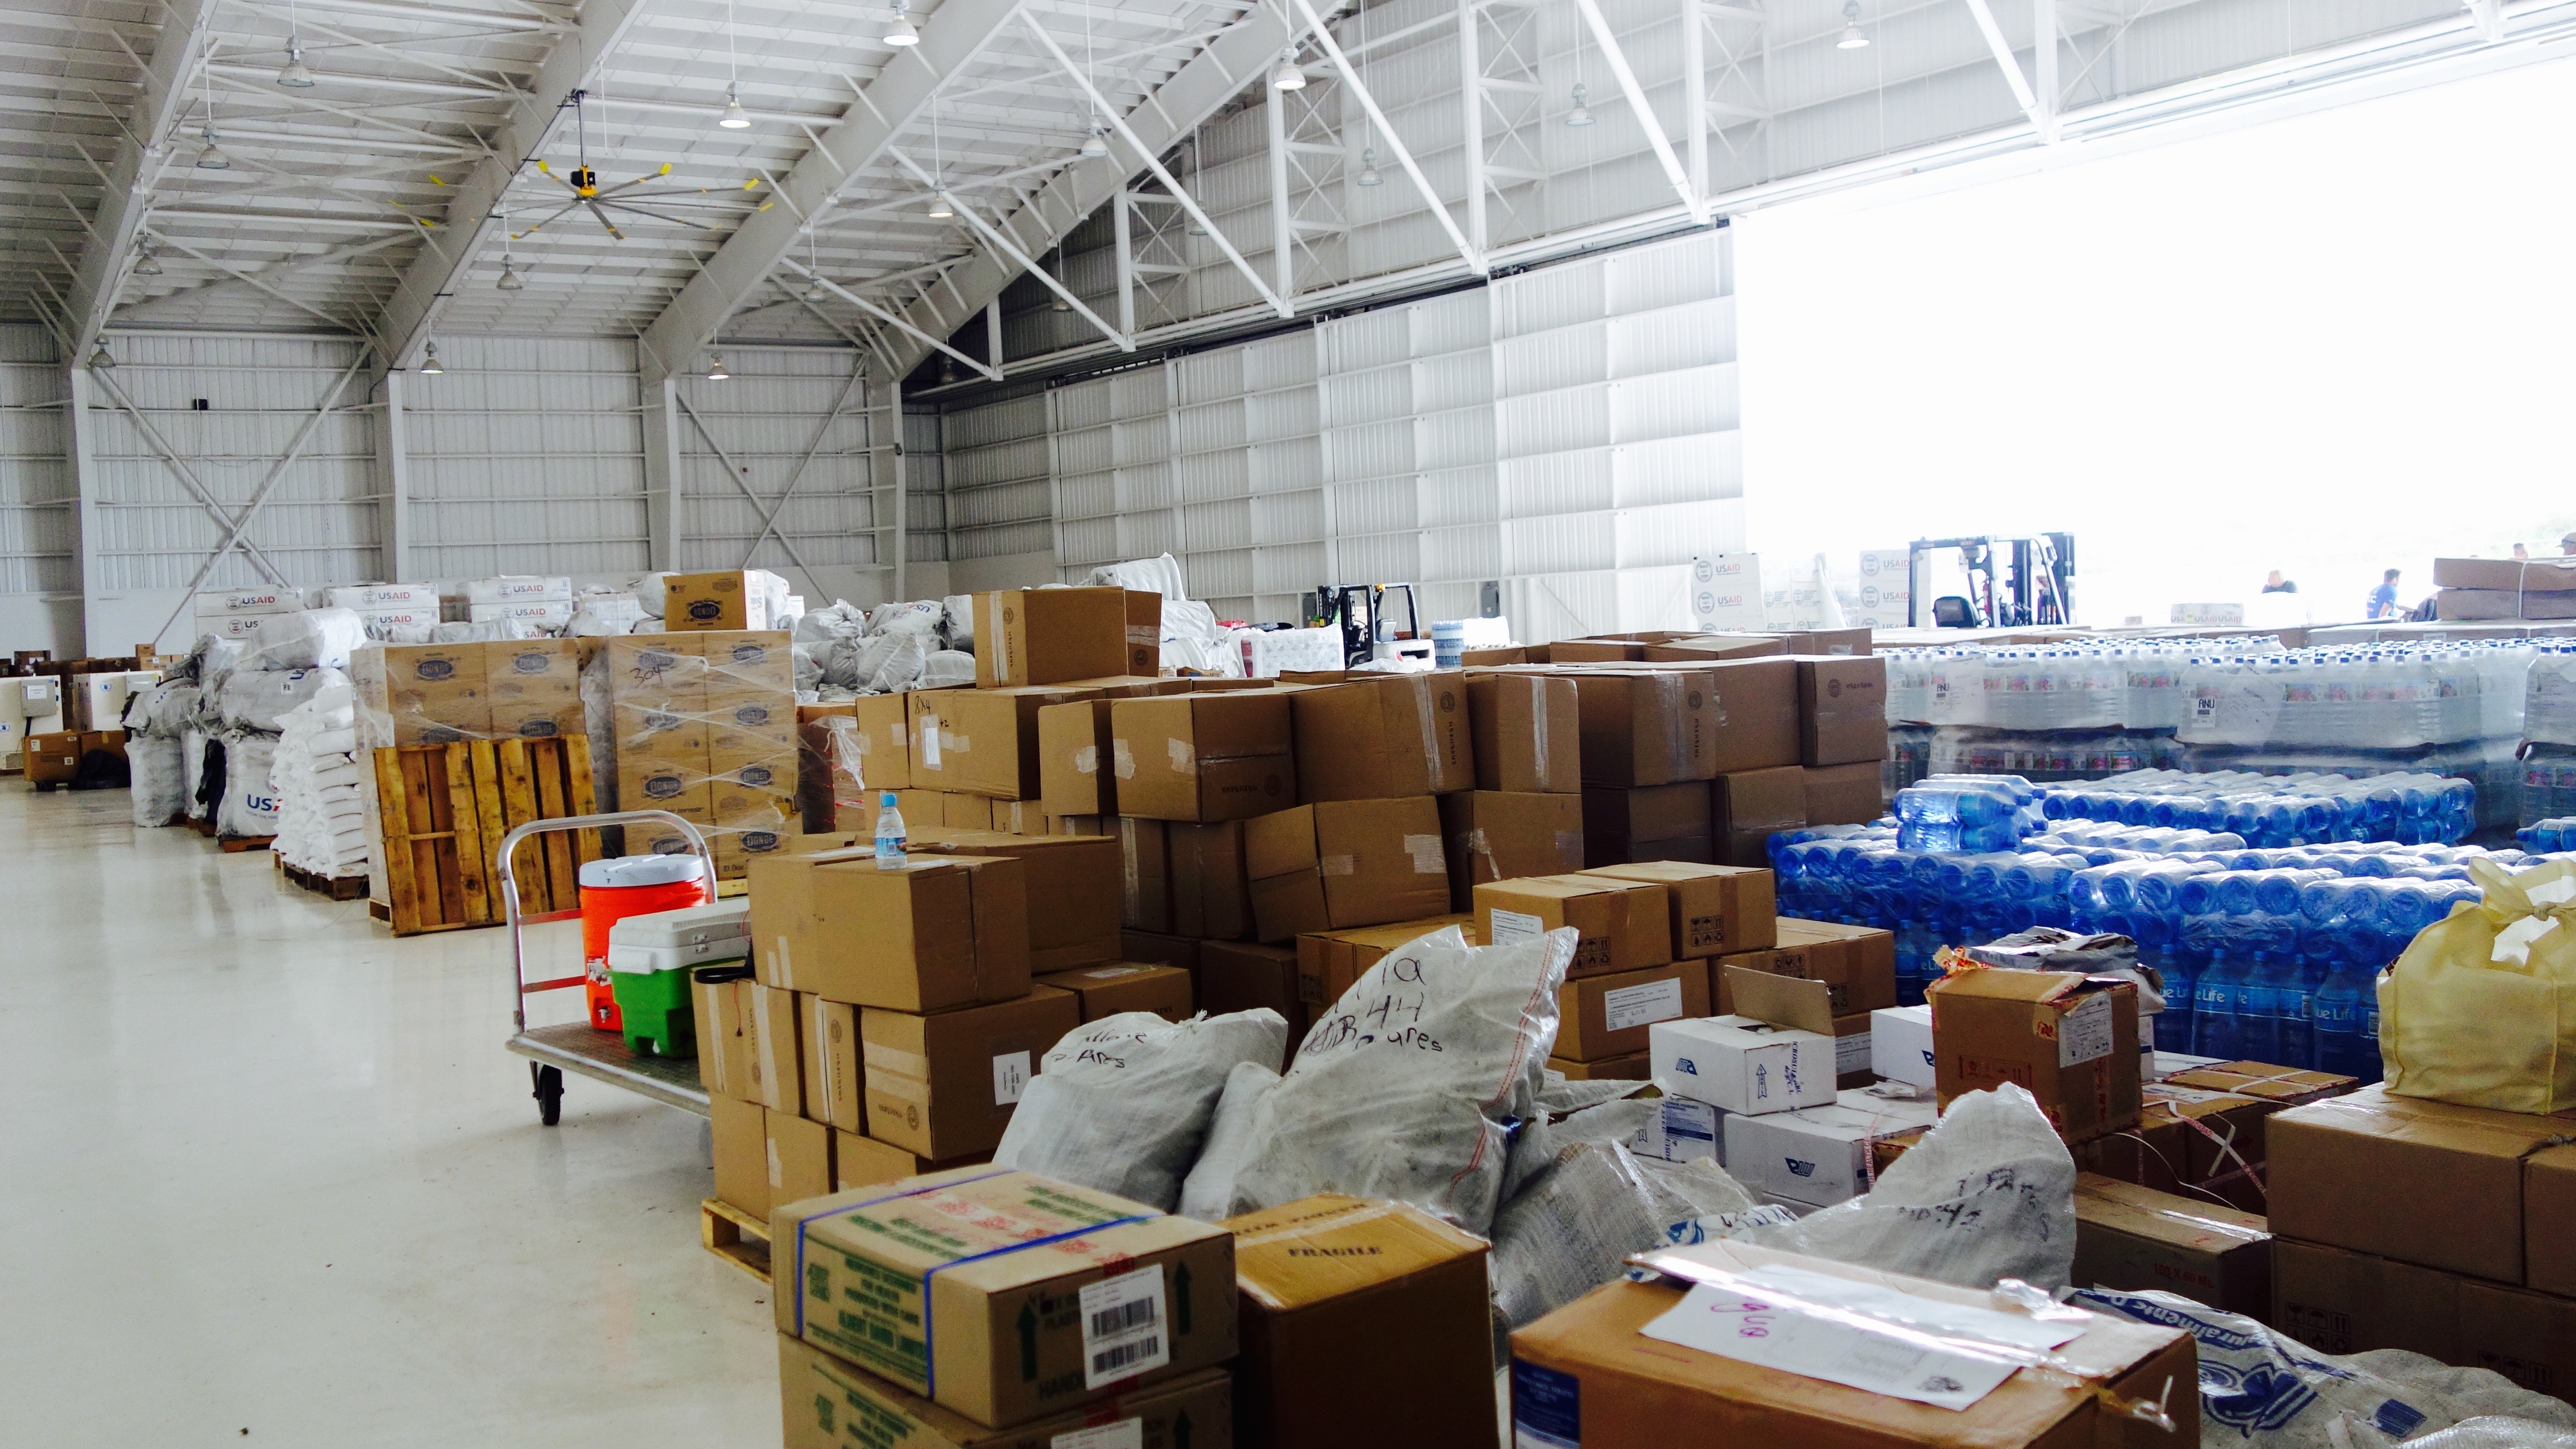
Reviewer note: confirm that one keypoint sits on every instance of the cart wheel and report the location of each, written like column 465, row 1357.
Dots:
column 549, row 1093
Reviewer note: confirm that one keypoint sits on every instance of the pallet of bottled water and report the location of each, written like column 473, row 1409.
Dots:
column 2545, row 781
column 2410, row 807
column 2375, row 698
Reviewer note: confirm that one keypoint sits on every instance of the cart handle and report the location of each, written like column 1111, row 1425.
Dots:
column 510, row 886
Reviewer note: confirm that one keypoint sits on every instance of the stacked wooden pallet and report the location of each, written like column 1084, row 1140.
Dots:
column 443, row 811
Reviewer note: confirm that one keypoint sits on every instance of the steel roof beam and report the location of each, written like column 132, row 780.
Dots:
column 449, row 255
column 953, row 35
column 163, row 97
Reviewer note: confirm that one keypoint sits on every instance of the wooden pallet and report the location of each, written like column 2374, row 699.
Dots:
column 337, row 887
column 738, row 1237
column 238, row 844
column 445, row 809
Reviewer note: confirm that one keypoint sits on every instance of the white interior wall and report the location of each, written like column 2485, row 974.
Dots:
column 39, row 574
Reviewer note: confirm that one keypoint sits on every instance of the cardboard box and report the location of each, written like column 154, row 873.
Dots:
column 1527, row 730
column 1757, row 706
column 944, row 931
column 1490, row 836
column 1817, row 1156
column 2549, row 1196
column 1716, row 910
column 1210, row 890
column 722, row 1013
column 2068, row 1039
column 2285, row 1086
column 1383, row 1302
column 1635, row 1068
column 1075, row 751
column 1596, row 651
column 1242, row 975
column 1041, row 636
column 1900, row 1046
column 1588, row 1374
column 2529, row 1338
column 948, row 1287
column 1652, row 822
column 1329, row 963
column 1385, row 736
column 1624, row 925
column 1344, row 863
column 2130, row 1237
column 1852, row 1053
column 2342, row 1302
column 944, row 1085
column 832, row 1071
column 1117, row 986
column 1072, row 883
column 829, row 1404
column 776, row 1048
column 2529, row 576
column 726, row 601
column 1204, row 757
column 861, row 1161
column 1842, row 709
column 1845, row 794
column 1160, row 950
column 884, row 740
column 53, row 759
column 1705, row 648
column 1857, row 963
column 1608, row 1016
column 1145, row 875
column 2206, row 1146
column 981, row 741
column 1746, row 808
column 2419, row 1181
column 740, row 1130
column 800, row 1157
column 420, row 694
column 1827, row 641
column 1748, row 1064
column 1647, row 727
column 1681, row 1130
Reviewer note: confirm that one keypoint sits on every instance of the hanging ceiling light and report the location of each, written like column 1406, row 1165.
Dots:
column 1288, row 77
column 1581, row 115
column 509, row 280
column 899, row 30
column 716, row 372
column 813, row 290
column 295, row 77
column 940, row 210
column 212, row 158
column 429, row 360
column 1852, row 38
column 1096, row 144
column 146, row 261
column 102, row 357
column 734, row 117
column 1368, row 168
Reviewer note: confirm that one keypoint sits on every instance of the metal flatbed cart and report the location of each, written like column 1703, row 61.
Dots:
column 577, row 1046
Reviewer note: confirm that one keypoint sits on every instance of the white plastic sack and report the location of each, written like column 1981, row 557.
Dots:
column 249, row 804
column 959, row 631
column 1988, row 1193
column 916, row 616
column 489, row 631
column 944, row 667
column 2262, row 1390
column 256, row 699
column 587, row 624
column 651, row 590
column 197, row 801
column 1571, row 1230
column 1408, row 1086
column 312, row 639
column 2491, row 1432
column 1209, row 1189
column 155, row 780
column 839, row 619
column 1160, row 574
column 1123, row 1104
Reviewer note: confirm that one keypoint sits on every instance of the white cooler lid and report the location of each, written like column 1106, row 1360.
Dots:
column 642, row 870
column 688, row 925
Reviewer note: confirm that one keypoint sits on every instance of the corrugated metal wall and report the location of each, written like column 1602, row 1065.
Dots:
column 527, row 457
column 35, row 480
column 1571, row 431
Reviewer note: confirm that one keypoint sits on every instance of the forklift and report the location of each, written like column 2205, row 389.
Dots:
column 2010, row 583
column 1368, row 632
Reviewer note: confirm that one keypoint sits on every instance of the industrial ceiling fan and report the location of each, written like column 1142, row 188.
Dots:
column 622, row 197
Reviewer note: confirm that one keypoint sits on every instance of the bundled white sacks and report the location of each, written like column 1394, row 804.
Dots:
column 247, row 808
column 1123, row 1104
column 256, row 699
column 321, row 810
column 155, row 780
column 311, row 639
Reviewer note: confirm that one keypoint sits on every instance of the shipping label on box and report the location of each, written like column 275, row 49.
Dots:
column 1608, row 1016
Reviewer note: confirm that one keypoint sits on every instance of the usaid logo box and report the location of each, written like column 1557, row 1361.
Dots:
column 1737, row 1064
column 1900, row 1045
column 1818, row 1156
column 1726, row 591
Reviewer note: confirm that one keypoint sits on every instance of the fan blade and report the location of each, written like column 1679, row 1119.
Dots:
column 667, row 220
column 558, row 214
column 596, row 211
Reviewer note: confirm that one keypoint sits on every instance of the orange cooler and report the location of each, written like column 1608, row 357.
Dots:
column 612, row 890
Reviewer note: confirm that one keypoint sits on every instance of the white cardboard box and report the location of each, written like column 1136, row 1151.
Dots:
column 404, row 616
column 1726, row 591
column 517, row 588
column 1742, row 1065
column 248, row 601
column 553, row 612
column 1684, row 1131
column 1817, row 1156
column 370, row 598
column 231, row 626
column 1900, row 1044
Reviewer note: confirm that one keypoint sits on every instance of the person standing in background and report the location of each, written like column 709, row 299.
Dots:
column 2520, row 552
column 2383, row 600
column 2567, row 543
column 2279, row 585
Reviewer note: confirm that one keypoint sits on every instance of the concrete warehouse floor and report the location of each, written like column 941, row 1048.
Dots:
column 271, row 1179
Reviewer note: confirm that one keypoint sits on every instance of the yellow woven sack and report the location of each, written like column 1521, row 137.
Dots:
column 2481, row 1010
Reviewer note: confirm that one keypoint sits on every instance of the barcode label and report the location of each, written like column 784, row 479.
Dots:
column 1125, row 1434
column 1122, row 1327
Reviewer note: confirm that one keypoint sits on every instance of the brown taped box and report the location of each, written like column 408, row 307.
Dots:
column 721, row 1010
column 1344, row 863
column 981, row 741
column 2424, row 1182
column 1080, row 825
column 2129, row 1237
column 1211, row 894
column 1383, row 1302
column 2532, row 576
column 1157, row 949
column 1074, row 757
column 827, row 1403
column 1609, row 1069
column 744, row 666
column 1041, row 636
column 830, row 1030
column 885, row 740
column 1827, row 641
column 1851, row 1047
column 1020, row 817
column 1651, row 822
column 1072, row 884
column 1600, row 1017
column 1746, row 808
column 862, row 1161
column 1528, row 734
column 1491, row 835
column 2068, row 1039
column 1223, row 756
column 1244, row 975
column 1857, row 962
column 1623, row 925
column 53, row 759
column 948, row 1284
column 800, row 1157
column 1145, row 875
column 1716, row 910
column 944, row 1085
column 1844, row 794
column 1388, row 735
column 419, row 694
column 1701, row 648
column 712, row 601
column 1587, row 1374
column 1647, row 727
column 1757, row 707
column 1595, row 651
column 741, row 1133
column 2203, row 1145
column 1329, row 963
column 2346, row 1302
column 1842, row 709
column 942, row 932
column 2282, row 1086
column 1117, row 986
column 775, row 1047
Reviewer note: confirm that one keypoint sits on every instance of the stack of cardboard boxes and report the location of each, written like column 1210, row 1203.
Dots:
column 441, row 694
